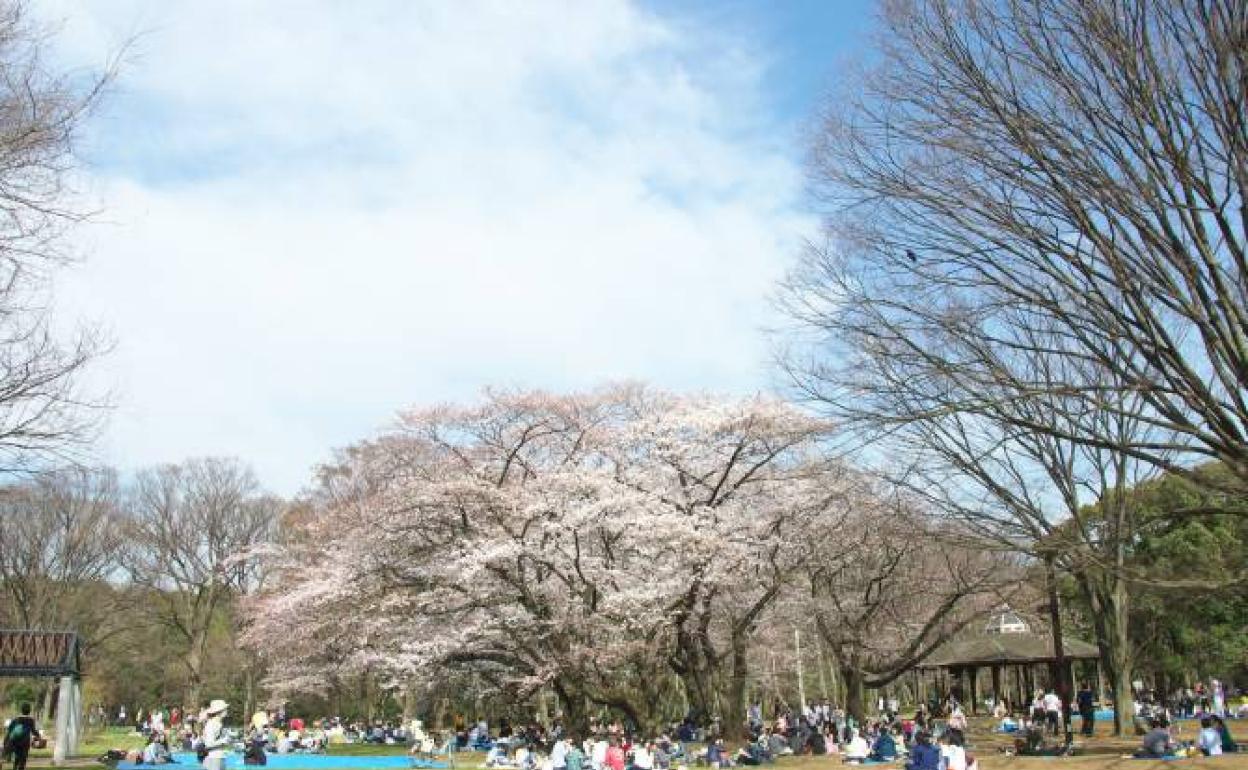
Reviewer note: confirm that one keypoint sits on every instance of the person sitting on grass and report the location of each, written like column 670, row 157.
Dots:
column 748, row 755
column 254, row 753
column 885, row 748
column 1156, row 742
column 643, row 756
column 674, row 750
column 497, row 756
column 156, row 752
column 716, row 756
column 952, row 755
column 523, row 758
column 925, row 756
column 857, row 750
column 957, row 723
column 574, row 759
column 662, row 759
column 1229, row 746
column 817, row 743
column 1210, row 740
column 614, row 759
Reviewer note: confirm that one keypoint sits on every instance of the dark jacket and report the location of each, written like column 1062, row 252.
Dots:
column 21, row 732
column 885, row 747
column 925, row 756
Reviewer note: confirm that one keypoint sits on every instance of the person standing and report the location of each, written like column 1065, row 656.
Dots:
column 1219, row 698
column 1087, row 708
column 214, row 739
column 1052, row 710
column 21, row 733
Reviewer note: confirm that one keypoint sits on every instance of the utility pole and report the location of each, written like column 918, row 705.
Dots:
column 801, row 684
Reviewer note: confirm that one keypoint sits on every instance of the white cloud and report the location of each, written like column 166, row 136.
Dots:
column 318, row 213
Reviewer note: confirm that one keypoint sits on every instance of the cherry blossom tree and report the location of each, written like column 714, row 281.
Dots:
column 619, row 547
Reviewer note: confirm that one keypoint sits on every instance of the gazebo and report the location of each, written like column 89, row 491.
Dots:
column 25, row 653
column 1014, row 655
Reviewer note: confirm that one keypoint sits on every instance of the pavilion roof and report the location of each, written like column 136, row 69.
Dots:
column 996, row 649
column 39, row 653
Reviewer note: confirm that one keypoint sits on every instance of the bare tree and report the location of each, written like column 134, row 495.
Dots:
column 61, row 546
column 194, row 527
column 1074, row 165
column 982, row 428
column 61, row 535
column 44, row 410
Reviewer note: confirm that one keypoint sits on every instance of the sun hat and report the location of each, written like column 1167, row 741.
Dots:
column 217, row 706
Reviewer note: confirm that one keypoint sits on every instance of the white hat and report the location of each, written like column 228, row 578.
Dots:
column 217, row 706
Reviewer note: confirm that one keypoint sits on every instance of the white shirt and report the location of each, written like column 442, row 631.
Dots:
column 1210, row 741
column 559, row 754
column 858, row 748
column 598, row 757
column 953, row 757
column 214, row 740
column 642, row 758
column 1052, row 702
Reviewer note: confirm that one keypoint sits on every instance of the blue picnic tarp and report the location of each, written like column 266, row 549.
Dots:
column 303, row 762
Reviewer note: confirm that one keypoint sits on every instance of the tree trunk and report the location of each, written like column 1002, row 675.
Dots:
column 194, row 682
column 409, row 704
column 249, row 691
column 45, row 711
column 572, row 702
column 734, row 720
column 1107, row 597
column 1120, row 654
column 855, row 692
column 700, row 692
column 1059, row 670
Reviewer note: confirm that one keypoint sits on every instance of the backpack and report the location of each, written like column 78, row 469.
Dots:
column 17, row 731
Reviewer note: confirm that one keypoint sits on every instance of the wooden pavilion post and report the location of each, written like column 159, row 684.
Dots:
column 997, row 695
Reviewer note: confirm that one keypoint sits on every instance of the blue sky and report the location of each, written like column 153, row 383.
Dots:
column 315, row 213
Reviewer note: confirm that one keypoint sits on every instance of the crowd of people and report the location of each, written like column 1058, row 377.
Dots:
column 923, row 742
column 206, row 735
column 932, row 737
column 1162, row 741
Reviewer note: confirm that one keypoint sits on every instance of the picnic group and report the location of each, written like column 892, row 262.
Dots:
column 820, row 729
column 1157, row 719
column 206, row 735
column 932, row 737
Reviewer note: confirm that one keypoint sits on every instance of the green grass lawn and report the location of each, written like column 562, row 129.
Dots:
column 95, row 742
